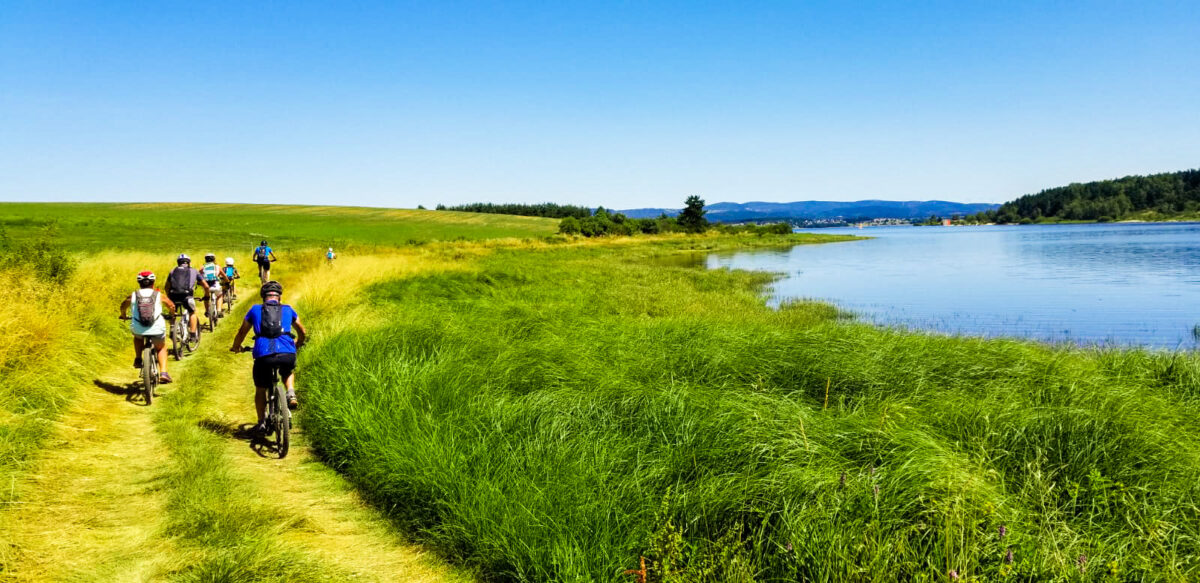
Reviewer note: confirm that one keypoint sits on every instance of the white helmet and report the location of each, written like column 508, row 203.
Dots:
column 331, row 248
column 228, row 261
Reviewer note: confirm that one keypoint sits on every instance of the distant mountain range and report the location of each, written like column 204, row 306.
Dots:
column 732, row 212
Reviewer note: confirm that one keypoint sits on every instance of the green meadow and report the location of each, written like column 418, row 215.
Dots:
column 556, row 414
column 167, row 227
column 545, row 408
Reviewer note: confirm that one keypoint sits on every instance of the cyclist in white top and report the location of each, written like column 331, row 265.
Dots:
column 148, row 322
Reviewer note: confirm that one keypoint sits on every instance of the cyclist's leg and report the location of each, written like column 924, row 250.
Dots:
column 193, row 320
column 264, row 380
column 160, row 346
column 287, row 370
column 138, row 344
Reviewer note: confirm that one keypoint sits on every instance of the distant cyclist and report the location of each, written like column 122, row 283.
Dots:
column 274, row 347
column 228, row 274
column 212, row 276
column 263, row 256
column 330, row 256
column 181, row 286
column 147, row 323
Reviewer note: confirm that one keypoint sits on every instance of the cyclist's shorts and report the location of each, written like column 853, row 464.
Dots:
column 187, row 300
column 264, row 263
column 155, row 338
column 285, row 363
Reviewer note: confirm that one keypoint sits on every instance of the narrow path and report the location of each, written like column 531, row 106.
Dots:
column 91, row 509
column 107, row 499
column 333, row 524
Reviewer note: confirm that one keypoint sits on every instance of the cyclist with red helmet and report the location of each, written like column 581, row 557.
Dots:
column 147, row 323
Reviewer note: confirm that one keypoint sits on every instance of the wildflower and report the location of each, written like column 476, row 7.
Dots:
column 876, row 489
column 1008, row 557
column 871, row 472
column 789, row 547
column 1003, row 531
column 953, row 574
column 842, row 481
column 1082, row 562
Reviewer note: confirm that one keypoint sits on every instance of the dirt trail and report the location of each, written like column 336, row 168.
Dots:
column 90, row 510
column 335, row 525
column 94, row 507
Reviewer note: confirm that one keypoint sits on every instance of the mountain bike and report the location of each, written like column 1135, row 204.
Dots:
column 149, row 368
column 278, row 418
column 181, row 340
column 212, row 312
column 227, row 299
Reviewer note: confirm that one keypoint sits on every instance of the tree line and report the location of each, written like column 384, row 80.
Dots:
column 690, row 220
column 1167, row 194
column 545, row 209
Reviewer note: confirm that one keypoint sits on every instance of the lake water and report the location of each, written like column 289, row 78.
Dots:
column 1123, row 284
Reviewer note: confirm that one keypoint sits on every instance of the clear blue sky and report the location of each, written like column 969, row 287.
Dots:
column 621, row 104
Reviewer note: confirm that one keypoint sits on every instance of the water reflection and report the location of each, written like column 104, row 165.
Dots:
column 1129, row 284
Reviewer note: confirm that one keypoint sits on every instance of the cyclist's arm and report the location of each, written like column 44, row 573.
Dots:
column 125, row 307
column 241, row 335
column 273, row 258
column 168, row 302
column 300, row 328
column 203, row 284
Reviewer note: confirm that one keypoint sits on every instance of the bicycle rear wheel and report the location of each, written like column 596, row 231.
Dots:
column 178, row 334
column 283, row 422
column 149, row 370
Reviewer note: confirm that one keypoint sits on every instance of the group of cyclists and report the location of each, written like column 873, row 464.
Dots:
column 272, row 322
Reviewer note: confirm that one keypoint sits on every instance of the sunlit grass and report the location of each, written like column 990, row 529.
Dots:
column 530, row 417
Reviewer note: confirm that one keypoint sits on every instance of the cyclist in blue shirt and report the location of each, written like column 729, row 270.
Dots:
column 263, row 256
column 274, row 347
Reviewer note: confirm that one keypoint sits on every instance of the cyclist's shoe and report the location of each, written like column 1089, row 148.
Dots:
column 291, row 399
column 164, row 379
column 137, row 362
column 259, row 429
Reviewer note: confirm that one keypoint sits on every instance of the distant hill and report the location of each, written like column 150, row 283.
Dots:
column 731, row 212
column 1170, row 195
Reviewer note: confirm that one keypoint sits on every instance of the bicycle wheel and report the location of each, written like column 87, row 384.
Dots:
column 283, row 422
column 177, row 338
column 149, row 370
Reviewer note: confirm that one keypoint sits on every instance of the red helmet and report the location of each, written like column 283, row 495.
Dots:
column 146, row 277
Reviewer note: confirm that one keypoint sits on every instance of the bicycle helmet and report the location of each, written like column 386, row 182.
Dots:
column 145, row 278
column 263, row 243
column 228, row 261
column 271, row 287
column 183, row 258
column 210, row 257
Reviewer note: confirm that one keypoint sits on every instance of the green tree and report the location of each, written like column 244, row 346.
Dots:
column 569, row 226
column 692, row 217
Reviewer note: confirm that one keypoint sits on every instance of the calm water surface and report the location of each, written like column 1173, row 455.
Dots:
column 1126, row 284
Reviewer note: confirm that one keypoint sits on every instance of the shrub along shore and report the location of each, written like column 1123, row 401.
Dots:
column 558, row 412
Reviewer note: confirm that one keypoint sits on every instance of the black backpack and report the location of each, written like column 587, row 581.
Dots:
column 146, row 308
column 177, row 282
column 271, row 325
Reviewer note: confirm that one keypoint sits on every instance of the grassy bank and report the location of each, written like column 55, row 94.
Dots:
column 555, row 413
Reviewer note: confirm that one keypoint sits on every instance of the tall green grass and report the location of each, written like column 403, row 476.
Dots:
column 557, row 414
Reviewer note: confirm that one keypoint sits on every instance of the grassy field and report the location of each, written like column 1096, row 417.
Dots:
column 553, row 414
column 542, row 409
column 170, row 227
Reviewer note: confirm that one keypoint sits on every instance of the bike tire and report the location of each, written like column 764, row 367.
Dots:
column 149, row 371
column 177, row 340
column 283, row 422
